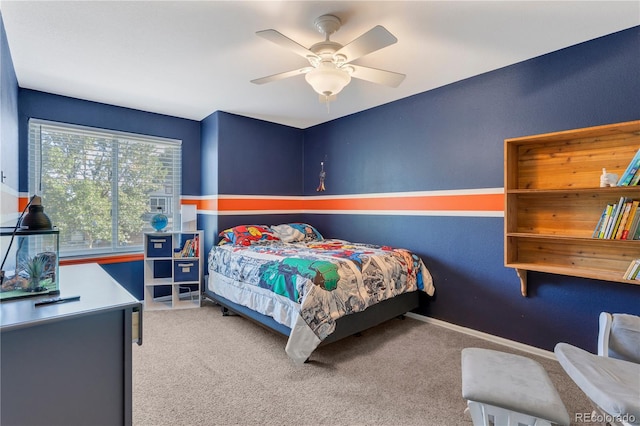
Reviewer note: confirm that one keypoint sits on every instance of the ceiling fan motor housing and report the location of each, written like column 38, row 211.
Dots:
column 325, row 51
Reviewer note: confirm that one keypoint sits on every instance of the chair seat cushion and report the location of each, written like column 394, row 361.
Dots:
column 624, row 341
column 512, row 382
column 612, row 384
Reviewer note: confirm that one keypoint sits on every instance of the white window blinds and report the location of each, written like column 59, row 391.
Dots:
column 101, row 188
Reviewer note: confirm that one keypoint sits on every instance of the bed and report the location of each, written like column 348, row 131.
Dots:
column 313, row 290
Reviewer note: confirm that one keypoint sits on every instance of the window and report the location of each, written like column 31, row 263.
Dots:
column 162, row 203
column 100, row 187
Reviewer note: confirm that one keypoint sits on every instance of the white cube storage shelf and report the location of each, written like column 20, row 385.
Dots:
column 173, row 268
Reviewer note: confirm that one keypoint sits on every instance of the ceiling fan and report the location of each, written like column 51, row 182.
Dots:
column 331, row 66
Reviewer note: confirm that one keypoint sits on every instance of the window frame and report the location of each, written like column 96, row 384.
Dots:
column 118, row 138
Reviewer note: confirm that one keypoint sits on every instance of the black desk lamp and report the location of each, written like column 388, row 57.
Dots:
column 34, row 220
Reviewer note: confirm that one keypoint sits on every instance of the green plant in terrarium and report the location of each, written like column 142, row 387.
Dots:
column 35, row 268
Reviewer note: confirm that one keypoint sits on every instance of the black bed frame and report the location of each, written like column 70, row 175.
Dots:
column 345, row 326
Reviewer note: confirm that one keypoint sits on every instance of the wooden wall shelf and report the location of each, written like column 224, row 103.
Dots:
column 553, row 202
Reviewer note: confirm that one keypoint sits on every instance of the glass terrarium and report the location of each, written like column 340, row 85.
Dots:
column 31, row 262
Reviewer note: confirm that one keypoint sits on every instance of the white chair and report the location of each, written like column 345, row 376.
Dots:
column 619, row 336
column 610, row 379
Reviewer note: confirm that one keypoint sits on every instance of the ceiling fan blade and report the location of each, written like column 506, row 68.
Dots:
column 284, row 41
column 374, row 39
column 387, row 78
column 281, row 75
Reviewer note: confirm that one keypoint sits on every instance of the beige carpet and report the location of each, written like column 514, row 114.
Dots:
column 196, row 367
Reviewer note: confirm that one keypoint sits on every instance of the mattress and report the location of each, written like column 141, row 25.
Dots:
column 307, row 286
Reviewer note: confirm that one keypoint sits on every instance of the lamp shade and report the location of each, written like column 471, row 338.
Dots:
column 36, row 219
column 327, row 79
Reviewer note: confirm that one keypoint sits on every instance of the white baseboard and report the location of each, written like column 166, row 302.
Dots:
column 486, row 336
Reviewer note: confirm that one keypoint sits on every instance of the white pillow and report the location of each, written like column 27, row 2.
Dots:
column 287, row 233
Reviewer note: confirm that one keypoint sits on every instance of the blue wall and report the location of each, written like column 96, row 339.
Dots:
column 452, row 138
column 245, row 156
column 259, row 158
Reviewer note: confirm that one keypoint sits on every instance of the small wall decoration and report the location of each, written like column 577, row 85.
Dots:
column 323, row 174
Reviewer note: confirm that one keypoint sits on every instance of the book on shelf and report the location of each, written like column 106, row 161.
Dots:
column 196, row 245
column 635, row 271
column 632, row 168
column 599, row 225
column 191, row 247
column 619, row 221
column 612, row 218
column 634, row 229
column 624, row 216
column 634, row 225
column 628, row 271
column 630, row 220
column 615, row 218
column 632, row 271
column 636, row 232
column 188, row 249
column 604, row 221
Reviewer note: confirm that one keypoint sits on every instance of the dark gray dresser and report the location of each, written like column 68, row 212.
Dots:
column 70, row 363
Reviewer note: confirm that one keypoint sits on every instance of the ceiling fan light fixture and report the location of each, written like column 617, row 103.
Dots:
column 327, row 80
column 330, row 67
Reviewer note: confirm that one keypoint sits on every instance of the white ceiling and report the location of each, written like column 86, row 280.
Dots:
column 191, row 58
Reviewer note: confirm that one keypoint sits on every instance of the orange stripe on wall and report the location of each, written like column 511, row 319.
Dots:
column 191, row 201
column 466, row 202
column 486, row 202
column 202, row 204
column 248, row 204
column 103, row 260
column 22, row 203
column 461, row 202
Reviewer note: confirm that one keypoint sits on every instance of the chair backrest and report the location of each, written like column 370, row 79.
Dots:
column 619, row 336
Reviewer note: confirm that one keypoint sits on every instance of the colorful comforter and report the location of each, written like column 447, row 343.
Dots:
column 323, row 280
